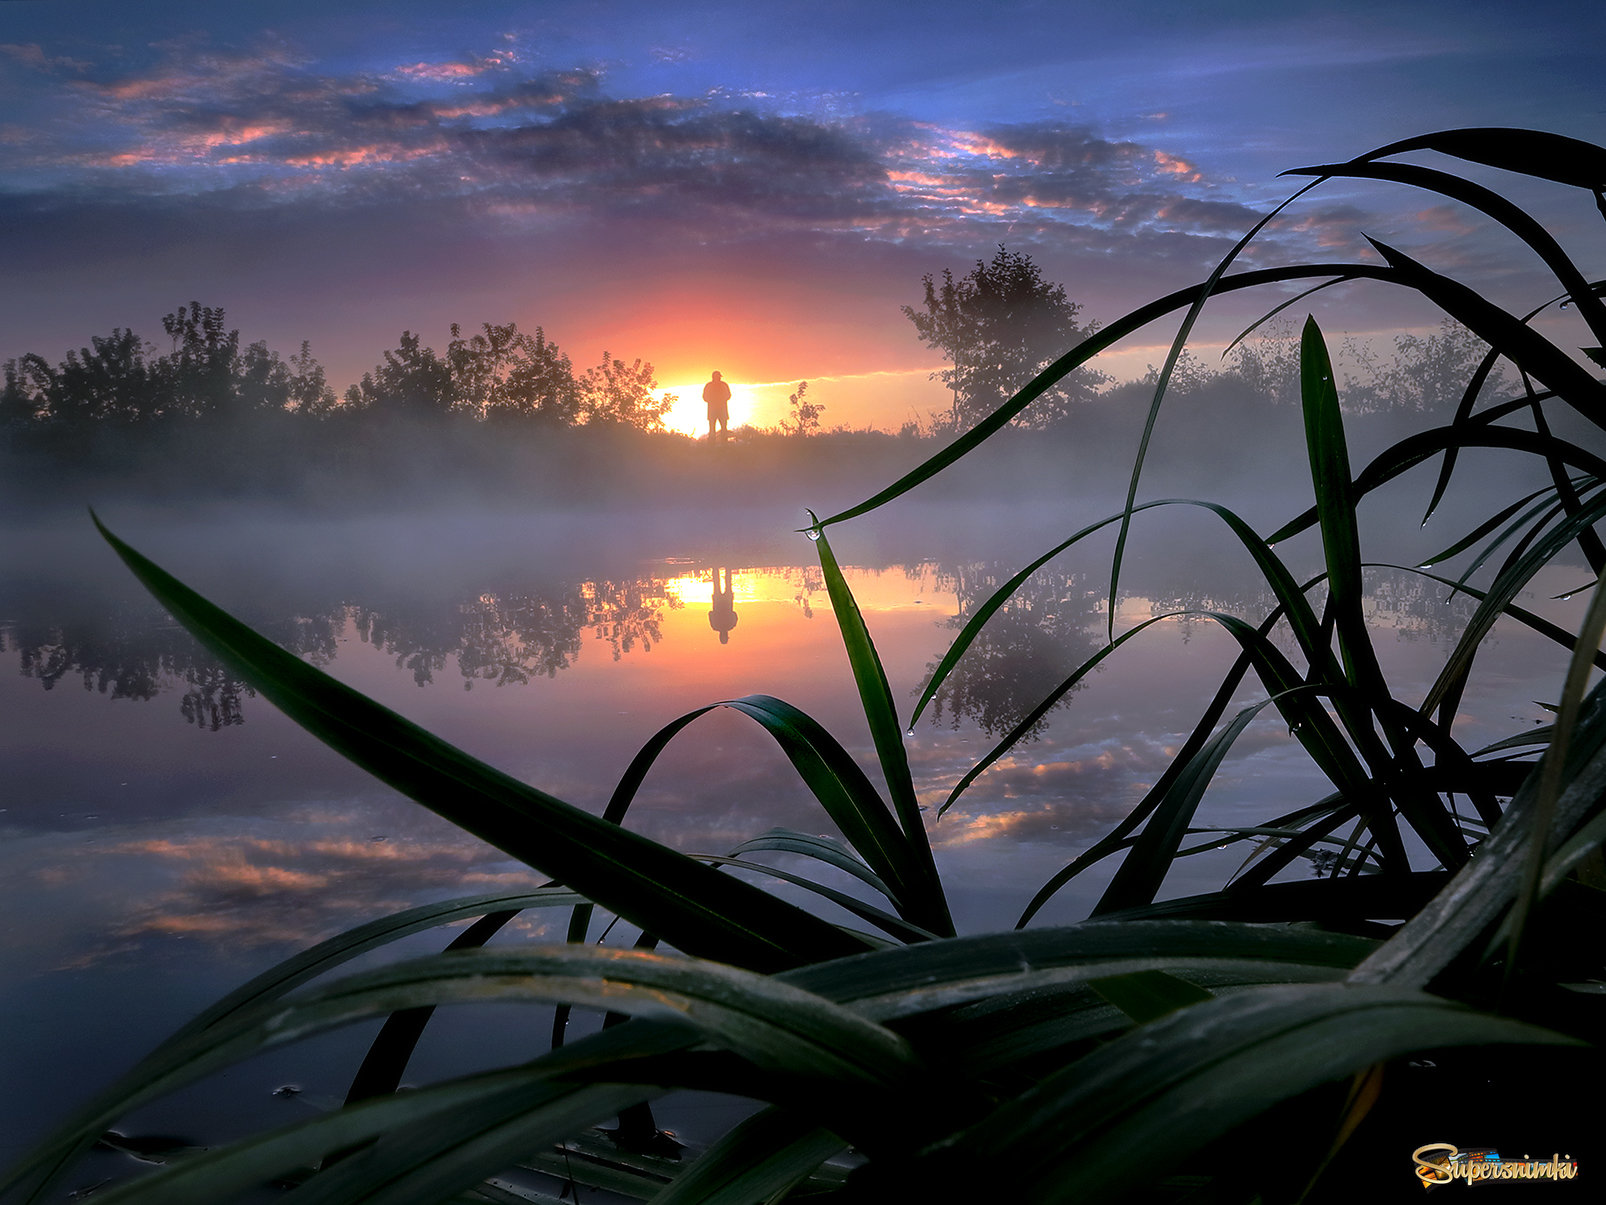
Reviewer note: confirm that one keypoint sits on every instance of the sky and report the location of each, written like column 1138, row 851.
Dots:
column 754, row 187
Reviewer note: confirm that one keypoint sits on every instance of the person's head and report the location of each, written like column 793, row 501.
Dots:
column 716, row 376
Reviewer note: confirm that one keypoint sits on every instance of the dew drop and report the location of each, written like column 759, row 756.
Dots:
column 911, row 732
column 1566, row 303
column 813, row 533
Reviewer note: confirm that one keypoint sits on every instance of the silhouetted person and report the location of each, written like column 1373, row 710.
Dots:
column 718, row 395
column 723, row 617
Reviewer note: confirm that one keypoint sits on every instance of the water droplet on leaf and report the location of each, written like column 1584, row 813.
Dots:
column 813, row 533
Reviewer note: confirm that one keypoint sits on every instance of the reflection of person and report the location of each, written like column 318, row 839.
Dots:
column 723, row 617
column 718, row 395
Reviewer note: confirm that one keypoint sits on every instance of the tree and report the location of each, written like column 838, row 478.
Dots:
column 505, row 373
column 1424, row 375
column 199, row 374
column 1000, row 326
column 618, row 394
column 805, row 418
column 413, row 380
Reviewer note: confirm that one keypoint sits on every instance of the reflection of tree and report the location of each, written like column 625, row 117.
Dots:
column 512, row 638
column 500, row 638
column 124, row 660
column 1022, row 653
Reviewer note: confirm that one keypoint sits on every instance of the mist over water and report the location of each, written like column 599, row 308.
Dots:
column 168, row 833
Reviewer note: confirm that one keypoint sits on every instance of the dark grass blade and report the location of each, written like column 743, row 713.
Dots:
column 813, row 845
column 1532, row 152
column 231, row 1173
column 1149, row 995
column 832, row 776
column 1458, row 918
column 894, row 927
column 1486, row 201
column 930, row 908
column 756, row 1160
column 1335, row 510
column 342, row 948
column 1399, row 458
column 1513, row 338
column 1010, row 738
column 1177, row 344
column 1447, row 687
column 1147, row 1101
column 1550, row 773
column 693, row 906
column 1139, row 877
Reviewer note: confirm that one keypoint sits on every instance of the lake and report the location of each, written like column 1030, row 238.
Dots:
column 168, row 834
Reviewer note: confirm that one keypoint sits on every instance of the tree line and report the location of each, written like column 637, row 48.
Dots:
column 996, row 327
column 499, row 374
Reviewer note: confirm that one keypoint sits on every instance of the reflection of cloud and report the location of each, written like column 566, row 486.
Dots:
column 254, row 891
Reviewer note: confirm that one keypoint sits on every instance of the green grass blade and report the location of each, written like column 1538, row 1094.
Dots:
column 875, row 697
column 1335, row 510
column 342, row 948
column 231, row 1172
column 693, row 906
column 832, row 776
column 1009, row 739
column 1149, row 995
column 894, row 927
column 1139, row 877
column 1145, row 1102
column 1459, row 917
column 757, row 1160
column 813, row 845
column 1552, row 765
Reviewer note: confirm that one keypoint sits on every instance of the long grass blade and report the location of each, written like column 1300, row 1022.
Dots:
column 1515, row 339
column 1486, row 201
column 875, row 698
column 693, row 906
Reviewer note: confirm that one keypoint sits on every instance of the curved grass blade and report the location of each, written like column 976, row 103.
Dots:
column 1406, row 454
column 1516, row 340
column 894, row 927
column 229, row 1173
column 813, row 845
column 1084, row 351
column 343, row 947
column 1447, row 687
column 757, row 1160
column 1537, row 153
column 1550, row 771
column 693, row 906
column 1146, row 1101
column 875, row 697
column 1486, row 201
column 1177, row 344
column 1009, row 739
column 832, row 776
column 1458, row 917
column 1137, row 880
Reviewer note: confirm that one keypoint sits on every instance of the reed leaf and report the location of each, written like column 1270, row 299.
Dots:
column 930, row 907
column 693, row 906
